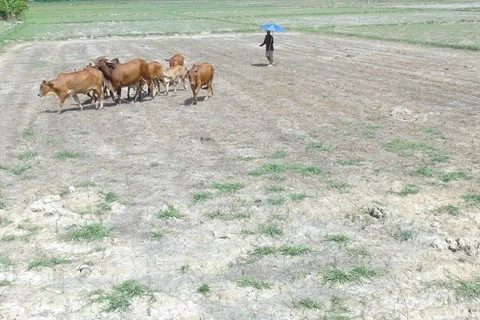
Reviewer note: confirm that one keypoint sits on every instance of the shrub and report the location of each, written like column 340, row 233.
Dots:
column 12, row 9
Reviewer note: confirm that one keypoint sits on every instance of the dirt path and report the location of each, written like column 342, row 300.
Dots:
column 339, row 127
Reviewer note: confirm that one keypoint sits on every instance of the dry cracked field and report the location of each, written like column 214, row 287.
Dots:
column 342, row 183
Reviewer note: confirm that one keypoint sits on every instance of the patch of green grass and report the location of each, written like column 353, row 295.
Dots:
column 338, row 185
column 121, row 296
column 27, row 155
column 263, row 251
column 336, row 275
column 228, row 216
column 311, row 171
column 89, row 232
column 469, row 289
column 111, row 197
column 425, row 171
column 472, row 199
column 4, row 221
column 407, row 148
column 101, row 209
column 46, row 262
column 270, row 168
column 7, row 238
column 28, row 134
column 351, row 162
column 229, row 187
column 278, row 155
column 277, row 178
column 153, row 164
column 171, row 212
column 363, row 272
column 308, row 303
column 370, row 131
column 68, row 154
column 20, row 169
column 449, row 209
column 203, row 289
column 202, row 197
column 318, row 146
column 252, row 282
column 275, row 189
column 358, row 252
column 298, row 196
column 401, row 234
column 184, row 268
column 276, row 201
column 86, row 184
column 408, row 190
column 433, row 132
column 294, row 250
column 5, row 283
column 454, row 176
column 157, row 234
column 6, row 262
column 338, row 238
column 271, row 230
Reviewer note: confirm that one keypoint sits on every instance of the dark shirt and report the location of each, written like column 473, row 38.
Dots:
column 269, row 42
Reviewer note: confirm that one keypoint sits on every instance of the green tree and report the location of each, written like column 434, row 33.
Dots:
column 12, row 9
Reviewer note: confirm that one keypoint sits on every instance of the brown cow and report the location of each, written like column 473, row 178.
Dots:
column 200, row 75
column 174, row 74
column 156, row 72
column 118, row 75
column 68, row 84
column 176, row 60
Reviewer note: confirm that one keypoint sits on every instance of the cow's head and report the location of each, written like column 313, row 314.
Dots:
column 46, row 88
column 192, row 75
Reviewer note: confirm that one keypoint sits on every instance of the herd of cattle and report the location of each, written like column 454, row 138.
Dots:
column 103, row 75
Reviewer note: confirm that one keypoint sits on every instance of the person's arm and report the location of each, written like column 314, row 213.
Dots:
column 264, row 42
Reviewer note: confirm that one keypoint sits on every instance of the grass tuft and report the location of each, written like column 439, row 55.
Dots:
column 308, row 303
column 228, row 187
column 270, row 168
column 68, row 154
column 121, row 296
column 449, row 209
column 171, row 212
column 252, row 282
column 36, row 264
column 469, row 289
column 202, row 197
column 294, row 250
column 407, row 148
column 404, row 234
column 271, row 230
column 472, row 199
column 204, row 289
column 111, row 197
column 319, row 146
column 90, row 232
column 338, row 238
column 278, row 155
column 408, row 190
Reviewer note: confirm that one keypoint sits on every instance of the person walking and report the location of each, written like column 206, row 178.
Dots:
column 268, row 43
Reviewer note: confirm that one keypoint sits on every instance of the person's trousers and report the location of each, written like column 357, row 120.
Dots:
column 269, row 55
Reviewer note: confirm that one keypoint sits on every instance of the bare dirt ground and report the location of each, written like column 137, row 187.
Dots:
column 324, row 146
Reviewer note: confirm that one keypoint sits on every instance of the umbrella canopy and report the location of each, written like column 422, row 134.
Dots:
column 272, row 27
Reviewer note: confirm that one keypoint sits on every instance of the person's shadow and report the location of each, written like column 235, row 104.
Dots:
column 259, row 64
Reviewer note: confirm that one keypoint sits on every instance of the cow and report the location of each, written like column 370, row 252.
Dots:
column 176, row 60
column 156, row 72
column 174, row 74
column 69, row 84
column 200, row 75
column 118, row 75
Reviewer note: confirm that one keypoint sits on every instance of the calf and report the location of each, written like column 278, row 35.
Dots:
column 118, row 75
column 68, row 84
column 174, row 74
column 200, row 75
column 176, row 60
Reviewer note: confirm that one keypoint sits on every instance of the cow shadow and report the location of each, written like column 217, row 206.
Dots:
column 189, row 101
column 259, row 64
column 86, row 107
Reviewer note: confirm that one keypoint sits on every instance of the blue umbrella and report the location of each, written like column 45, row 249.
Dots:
column 272, row 27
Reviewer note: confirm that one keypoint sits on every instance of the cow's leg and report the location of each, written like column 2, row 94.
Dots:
column 195, row 94
column 184, row 83
column 75, row 97
column 167, row 86
column 152, row 88
column 60, row 104
column 209, row 89
column 101, row 96
column 119, row 95
column 162, row 80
